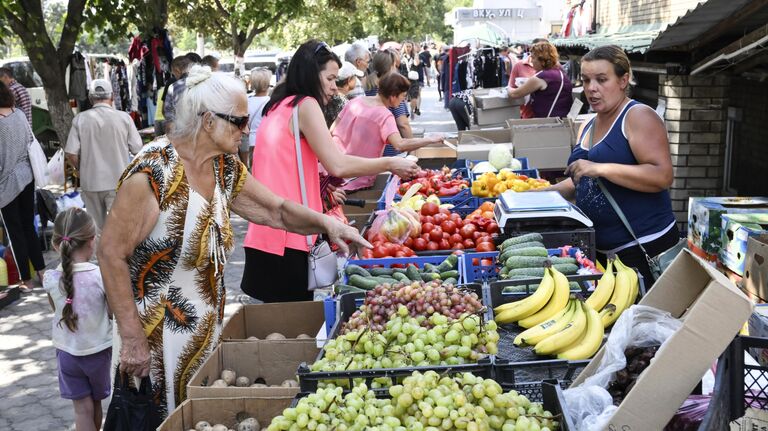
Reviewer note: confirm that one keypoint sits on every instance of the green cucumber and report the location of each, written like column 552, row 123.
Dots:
column 510, row 250
column 413, row 272
column 449, row 274
column 354, row 269
column 429, row 276
column 574, row 286
column 385, row 280
column 566, row 268
column 448, row 264
column 345, row 288
column 399, row 276
column 451, row 281
column 428, row 267
column 514, row 262
column 363, row 282
column 521, row 239
column 531, row 251
column 526, row 272
column 562, row 260
column 376, row 272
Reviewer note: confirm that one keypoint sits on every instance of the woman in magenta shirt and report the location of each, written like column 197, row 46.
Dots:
column 276, row 260
column 366, row 125
column 549, row 88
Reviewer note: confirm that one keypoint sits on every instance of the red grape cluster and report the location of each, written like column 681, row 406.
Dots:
column 421, row 299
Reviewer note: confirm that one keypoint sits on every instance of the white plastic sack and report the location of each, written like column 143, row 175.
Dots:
column 70, row 200
column 39, row 163
column 56, row 168
column 590, row 405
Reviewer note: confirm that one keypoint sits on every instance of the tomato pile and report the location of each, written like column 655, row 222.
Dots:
column 442, row 230
column 434, row 182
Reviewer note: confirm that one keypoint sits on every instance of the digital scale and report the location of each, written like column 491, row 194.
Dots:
column 548, row 213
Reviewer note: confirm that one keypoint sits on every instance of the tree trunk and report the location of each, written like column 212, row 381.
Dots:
column 200, row 44
column 59, row 109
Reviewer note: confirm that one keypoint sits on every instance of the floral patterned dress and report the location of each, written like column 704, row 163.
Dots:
column 177, row 271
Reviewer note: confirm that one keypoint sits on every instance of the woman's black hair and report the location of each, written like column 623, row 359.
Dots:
column 6, row 96
column 303, row 76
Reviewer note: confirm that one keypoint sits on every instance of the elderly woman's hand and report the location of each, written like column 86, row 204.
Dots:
column 134, row 356
column 403, row 167
column 344, row 235
column 338, row 195
column 582, row 168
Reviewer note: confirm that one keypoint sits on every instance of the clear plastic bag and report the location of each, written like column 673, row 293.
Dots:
column 396, row 224
column 590, row 405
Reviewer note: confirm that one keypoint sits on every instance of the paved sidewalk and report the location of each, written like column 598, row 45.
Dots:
column 28, row 372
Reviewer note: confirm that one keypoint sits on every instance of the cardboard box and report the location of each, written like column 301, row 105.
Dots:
column 478, row 152
column 485, row 117
column 490, row 98
column 274, row 361
column 287, row 318
column 475, row 144
column 704, row 218
column 224, row 411
column 547, row 142
column 713, row 311
column 756, row 267
column 736, row 230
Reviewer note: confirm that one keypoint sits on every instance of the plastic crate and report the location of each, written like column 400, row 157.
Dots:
column 748, row 384
column 526, row 377
column 462, row 198
column 389, row 262
column 347, row 305
column 469, row 164
column 583, row 238
column 471, row 273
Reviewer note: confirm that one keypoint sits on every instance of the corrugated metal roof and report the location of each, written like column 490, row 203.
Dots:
column 629, row 41
column 696, row 22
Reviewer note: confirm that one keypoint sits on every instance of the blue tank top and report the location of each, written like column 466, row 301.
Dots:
column 649, row 214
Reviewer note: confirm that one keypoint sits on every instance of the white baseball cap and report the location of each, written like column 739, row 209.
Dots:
column 100, row 88
column 349, row 70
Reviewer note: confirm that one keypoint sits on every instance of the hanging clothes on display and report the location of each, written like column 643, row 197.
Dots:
column 487, row 68
column 453, row 56
column 78, row 79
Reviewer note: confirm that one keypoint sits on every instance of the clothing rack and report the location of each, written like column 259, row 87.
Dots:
column 474, row 51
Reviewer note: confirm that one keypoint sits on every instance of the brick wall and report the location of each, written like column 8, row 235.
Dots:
column 695, row 119
column 618, row 13
column 750, row 141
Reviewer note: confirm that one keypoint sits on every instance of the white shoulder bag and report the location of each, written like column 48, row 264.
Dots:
column 323, row 267
column 38, row 160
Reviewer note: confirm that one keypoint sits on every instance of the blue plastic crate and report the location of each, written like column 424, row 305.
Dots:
column 458, row 199
column 526, row 169
column 388, row 262
column 475, row 273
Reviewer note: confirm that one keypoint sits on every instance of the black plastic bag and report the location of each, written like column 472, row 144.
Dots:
column 131, row 410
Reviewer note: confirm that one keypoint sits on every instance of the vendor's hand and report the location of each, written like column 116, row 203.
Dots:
column 338, row 195
column 134, row 356
column 582, row 168
column 403, row 167
column 340, row 233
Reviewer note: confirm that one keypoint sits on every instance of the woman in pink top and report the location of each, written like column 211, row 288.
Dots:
column 366, row 125
column 276, row 260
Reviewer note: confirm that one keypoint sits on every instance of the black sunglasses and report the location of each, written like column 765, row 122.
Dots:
column 322, row 45
column 239, row 122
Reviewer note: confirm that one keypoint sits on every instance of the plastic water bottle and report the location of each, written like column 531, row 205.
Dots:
column 3, row 273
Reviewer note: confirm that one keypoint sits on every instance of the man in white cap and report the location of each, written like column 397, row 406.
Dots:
column 346, row 81
column 360, row 57
column 99, row 144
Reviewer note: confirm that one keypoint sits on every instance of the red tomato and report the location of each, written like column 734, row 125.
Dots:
column 468, row 231
column 380, row 251
column 458, row 252
column 367, row 253
column 459, row 223
column 429, row 219
column 436, row 234
column 440, row 218
column 432, row 245
column 492, row 227
column 486, row 262
column 429, row 209
column 445, row 211
column 378, row 238
column 444, row 244
column 458, row 246
column 408, row 242
column 392, row 248
column 408, row 252
column 446, row 235
column 477, row 235
column 398, row 265
column 468, row 243
column 427, row 227
column 425, row 236
column 420, row 244
column 486, row 246
column 401, row 254
column 456, row 239
column 448, row 226
column 455, row 217
column 475, row 261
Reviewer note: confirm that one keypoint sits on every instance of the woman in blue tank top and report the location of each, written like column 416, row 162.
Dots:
column 626, row 146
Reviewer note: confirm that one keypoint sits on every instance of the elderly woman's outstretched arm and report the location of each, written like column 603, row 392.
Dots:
column 130, row 220
column 259, row 205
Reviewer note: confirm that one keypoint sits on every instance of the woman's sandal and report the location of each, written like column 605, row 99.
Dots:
column 23, row 288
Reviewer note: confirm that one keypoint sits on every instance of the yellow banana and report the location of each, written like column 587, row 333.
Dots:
column 590, row 342
column 634, row 282
column 556, row 304
column 541, row 331
column 603, row 290
column 527, row 306
column 620, row 298
column 560, row 340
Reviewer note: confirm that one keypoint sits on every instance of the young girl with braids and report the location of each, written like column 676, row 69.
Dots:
column 82, row 329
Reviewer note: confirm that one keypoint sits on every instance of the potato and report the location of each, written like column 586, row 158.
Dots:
column 242, row 382
column 220, row 427
column 275, row 336
column 229, row 376
column 290, row 383
column 303, row 336
column 250, row 424
column 202, row 425
column 259, row 385
column 219, row 384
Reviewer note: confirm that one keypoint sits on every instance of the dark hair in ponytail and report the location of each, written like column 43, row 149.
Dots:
column 72, row 229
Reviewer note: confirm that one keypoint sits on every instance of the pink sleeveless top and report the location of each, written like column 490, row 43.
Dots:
column 274, row 165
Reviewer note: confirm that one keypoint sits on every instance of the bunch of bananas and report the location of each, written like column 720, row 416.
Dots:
column 560, row 324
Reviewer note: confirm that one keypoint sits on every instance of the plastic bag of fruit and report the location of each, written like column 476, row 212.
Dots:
column 397, row 223
column 590, row 405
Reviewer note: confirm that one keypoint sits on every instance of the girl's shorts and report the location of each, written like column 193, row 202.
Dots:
column 85, row 376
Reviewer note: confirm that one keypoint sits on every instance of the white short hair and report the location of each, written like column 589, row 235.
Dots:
column 204, row 91
column 357, row 51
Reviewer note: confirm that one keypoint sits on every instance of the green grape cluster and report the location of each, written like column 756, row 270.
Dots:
column 423, row 402
column 405, row 342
